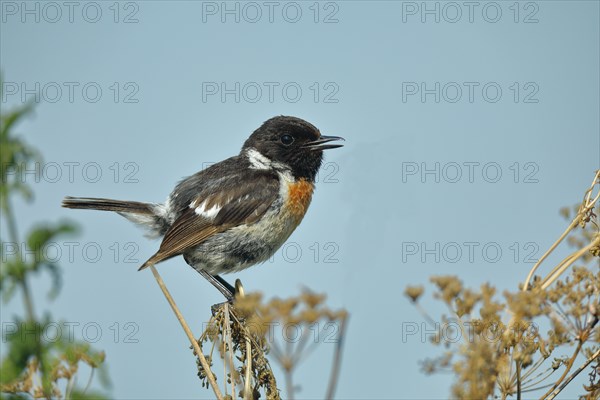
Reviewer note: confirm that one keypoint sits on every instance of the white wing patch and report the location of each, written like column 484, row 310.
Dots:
column 257, row 160
column 210, row 213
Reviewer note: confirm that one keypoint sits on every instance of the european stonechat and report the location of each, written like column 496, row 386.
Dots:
column 238, row 212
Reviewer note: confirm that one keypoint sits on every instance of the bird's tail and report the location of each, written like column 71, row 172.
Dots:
column 91, row 203
column 150, row 216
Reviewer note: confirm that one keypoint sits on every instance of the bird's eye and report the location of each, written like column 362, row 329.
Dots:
column 287, row 139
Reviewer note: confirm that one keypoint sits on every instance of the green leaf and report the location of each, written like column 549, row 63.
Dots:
column 26, row 351
column 37, row 241
column 89, row 395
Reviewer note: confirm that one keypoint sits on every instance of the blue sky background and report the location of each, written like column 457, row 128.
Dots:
column 376, row 208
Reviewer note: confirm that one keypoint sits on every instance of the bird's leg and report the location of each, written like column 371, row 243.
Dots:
column 221, row 284
column 226, row 284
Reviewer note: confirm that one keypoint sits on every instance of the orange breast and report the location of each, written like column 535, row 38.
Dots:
column 299, row 196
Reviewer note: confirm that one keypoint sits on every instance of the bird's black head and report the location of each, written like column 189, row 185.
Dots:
column 292, row 142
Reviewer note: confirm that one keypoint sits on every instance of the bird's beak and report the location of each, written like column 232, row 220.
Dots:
column 321, row 143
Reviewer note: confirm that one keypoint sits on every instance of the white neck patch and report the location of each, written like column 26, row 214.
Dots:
column 257, row 160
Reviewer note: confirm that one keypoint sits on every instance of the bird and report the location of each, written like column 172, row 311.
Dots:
column 238, row 212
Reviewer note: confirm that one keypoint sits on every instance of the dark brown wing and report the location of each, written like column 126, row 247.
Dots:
column 237, row 205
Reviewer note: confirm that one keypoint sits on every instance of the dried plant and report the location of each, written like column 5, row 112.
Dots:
column 514, row 343
column 241, row 334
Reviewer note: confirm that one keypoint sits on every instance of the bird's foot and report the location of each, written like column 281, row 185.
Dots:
column 238, row 294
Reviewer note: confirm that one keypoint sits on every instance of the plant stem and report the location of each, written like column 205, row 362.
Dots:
column 27, row 300
column 567, row 262
column 289, row 384
column 13, row 236
column 188, row 332
column 586, row 206
column 569, row 365
column 574, row 374
column 337, row 361
column 248, row 383
column 550, row 250
column 518, row 364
